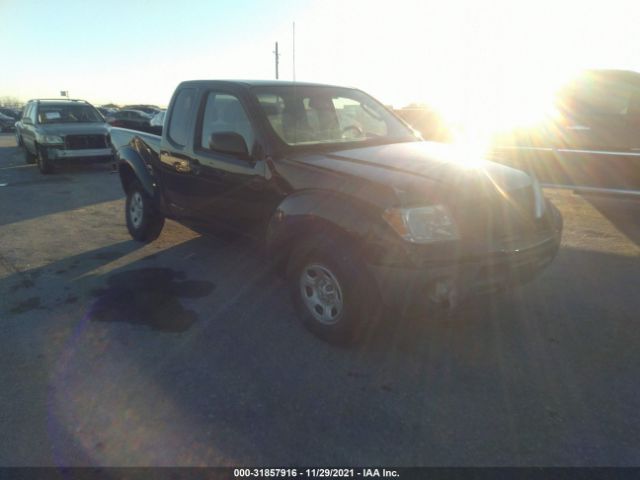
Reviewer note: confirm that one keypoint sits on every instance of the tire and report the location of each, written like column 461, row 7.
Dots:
column 44, row 164
column 144, row 222
column 332, row 291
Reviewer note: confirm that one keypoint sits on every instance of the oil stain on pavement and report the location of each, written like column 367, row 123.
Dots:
column 149, row 297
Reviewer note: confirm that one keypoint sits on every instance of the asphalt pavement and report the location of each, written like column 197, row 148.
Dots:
column 187, row 351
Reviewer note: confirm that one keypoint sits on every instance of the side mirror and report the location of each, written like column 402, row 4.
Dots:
column 229, row 142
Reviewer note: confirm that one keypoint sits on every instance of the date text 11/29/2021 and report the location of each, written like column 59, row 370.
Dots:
column 315, row 472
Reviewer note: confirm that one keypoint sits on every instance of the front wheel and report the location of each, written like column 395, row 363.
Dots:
column 29, row 158
column 44, row 164
column 332, row 290
column 144, row 222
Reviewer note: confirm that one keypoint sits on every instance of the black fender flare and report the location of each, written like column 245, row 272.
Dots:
column 130, row 162
column 309, row 212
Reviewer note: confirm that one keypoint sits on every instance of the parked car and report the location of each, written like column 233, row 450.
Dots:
column 592, row 141
column 14, row 113
column 57, row 131
column 148, row 109
column 354, row 209
column 133, row 119
column 106, row 112
column 158, row 119
column 7, row 123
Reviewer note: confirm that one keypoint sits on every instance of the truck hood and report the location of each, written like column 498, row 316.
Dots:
column 414, row 162
column 74, row 129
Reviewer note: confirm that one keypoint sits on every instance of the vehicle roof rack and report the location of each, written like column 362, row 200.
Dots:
column 58, row 100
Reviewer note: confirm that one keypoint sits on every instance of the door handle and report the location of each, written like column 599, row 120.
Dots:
column 182, row 166
column 179, row 163
column 578, row 127
column 185, row 165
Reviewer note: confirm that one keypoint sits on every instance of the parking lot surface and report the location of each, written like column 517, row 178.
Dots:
column 187, row 351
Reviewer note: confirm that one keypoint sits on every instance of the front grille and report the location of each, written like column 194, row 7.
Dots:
column 505, row 219
column 515, row 218
column 82, row 142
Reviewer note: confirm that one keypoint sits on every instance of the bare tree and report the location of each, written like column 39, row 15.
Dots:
column 9, row 101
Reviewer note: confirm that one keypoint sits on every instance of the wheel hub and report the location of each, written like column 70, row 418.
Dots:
column 322, row 293
column 136, row 209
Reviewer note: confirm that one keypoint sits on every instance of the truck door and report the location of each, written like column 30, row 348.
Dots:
column 228, row 187
column 209, row 186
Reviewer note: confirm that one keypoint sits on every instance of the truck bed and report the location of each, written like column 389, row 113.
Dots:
column 121, row 137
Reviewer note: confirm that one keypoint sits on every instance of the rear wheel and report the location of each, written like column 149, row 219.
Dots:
column 144, row 222
column 332, row 291
column 44, row 164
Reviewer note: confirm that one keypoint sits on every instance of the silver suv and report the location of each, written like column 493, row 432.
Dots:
column 56, row 131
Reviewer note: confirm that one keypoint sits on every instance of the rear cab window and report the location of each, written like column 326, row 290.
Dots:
column 181, row 114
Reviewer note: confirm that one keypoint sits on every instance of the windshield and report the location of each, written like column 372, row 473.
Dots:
column 329, row 115
column 75, row 113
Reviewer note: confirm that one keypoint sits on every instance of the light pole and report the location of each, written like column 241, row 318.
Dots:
column 277, row 59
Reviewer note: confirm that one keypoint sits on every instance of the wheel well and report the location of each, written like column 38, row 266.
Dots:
column 282, row 250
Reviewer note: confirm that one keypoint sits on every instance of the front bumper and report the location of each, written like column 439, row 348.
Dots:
column 407, row 289
column 89, row 155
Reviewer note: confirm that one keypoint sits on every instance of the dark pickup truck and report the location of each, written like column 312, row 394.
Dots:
column 360, row 214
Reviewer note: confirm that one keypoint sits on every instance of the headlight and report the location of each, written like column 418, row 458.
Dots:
column 422, row 224
column 51, row 139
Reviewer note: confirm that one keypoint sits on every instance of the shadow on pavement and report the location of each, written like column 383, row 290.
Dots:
column 57, row 279
column 69, row 188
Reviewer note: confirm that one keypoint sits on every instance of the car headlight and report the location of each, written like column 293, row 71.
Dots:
column 51, row 139
column 422, row 224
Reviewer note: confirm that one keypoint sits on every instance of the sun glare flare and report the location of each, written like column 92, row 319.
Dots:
column 525, row 103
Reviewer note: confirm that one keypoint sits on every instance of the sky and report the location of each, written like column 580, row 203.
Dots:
column 475, row 58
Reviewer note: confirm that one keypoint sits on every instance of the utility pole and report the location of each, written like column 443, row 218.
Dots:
column 294, row 51
column 277, row 60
